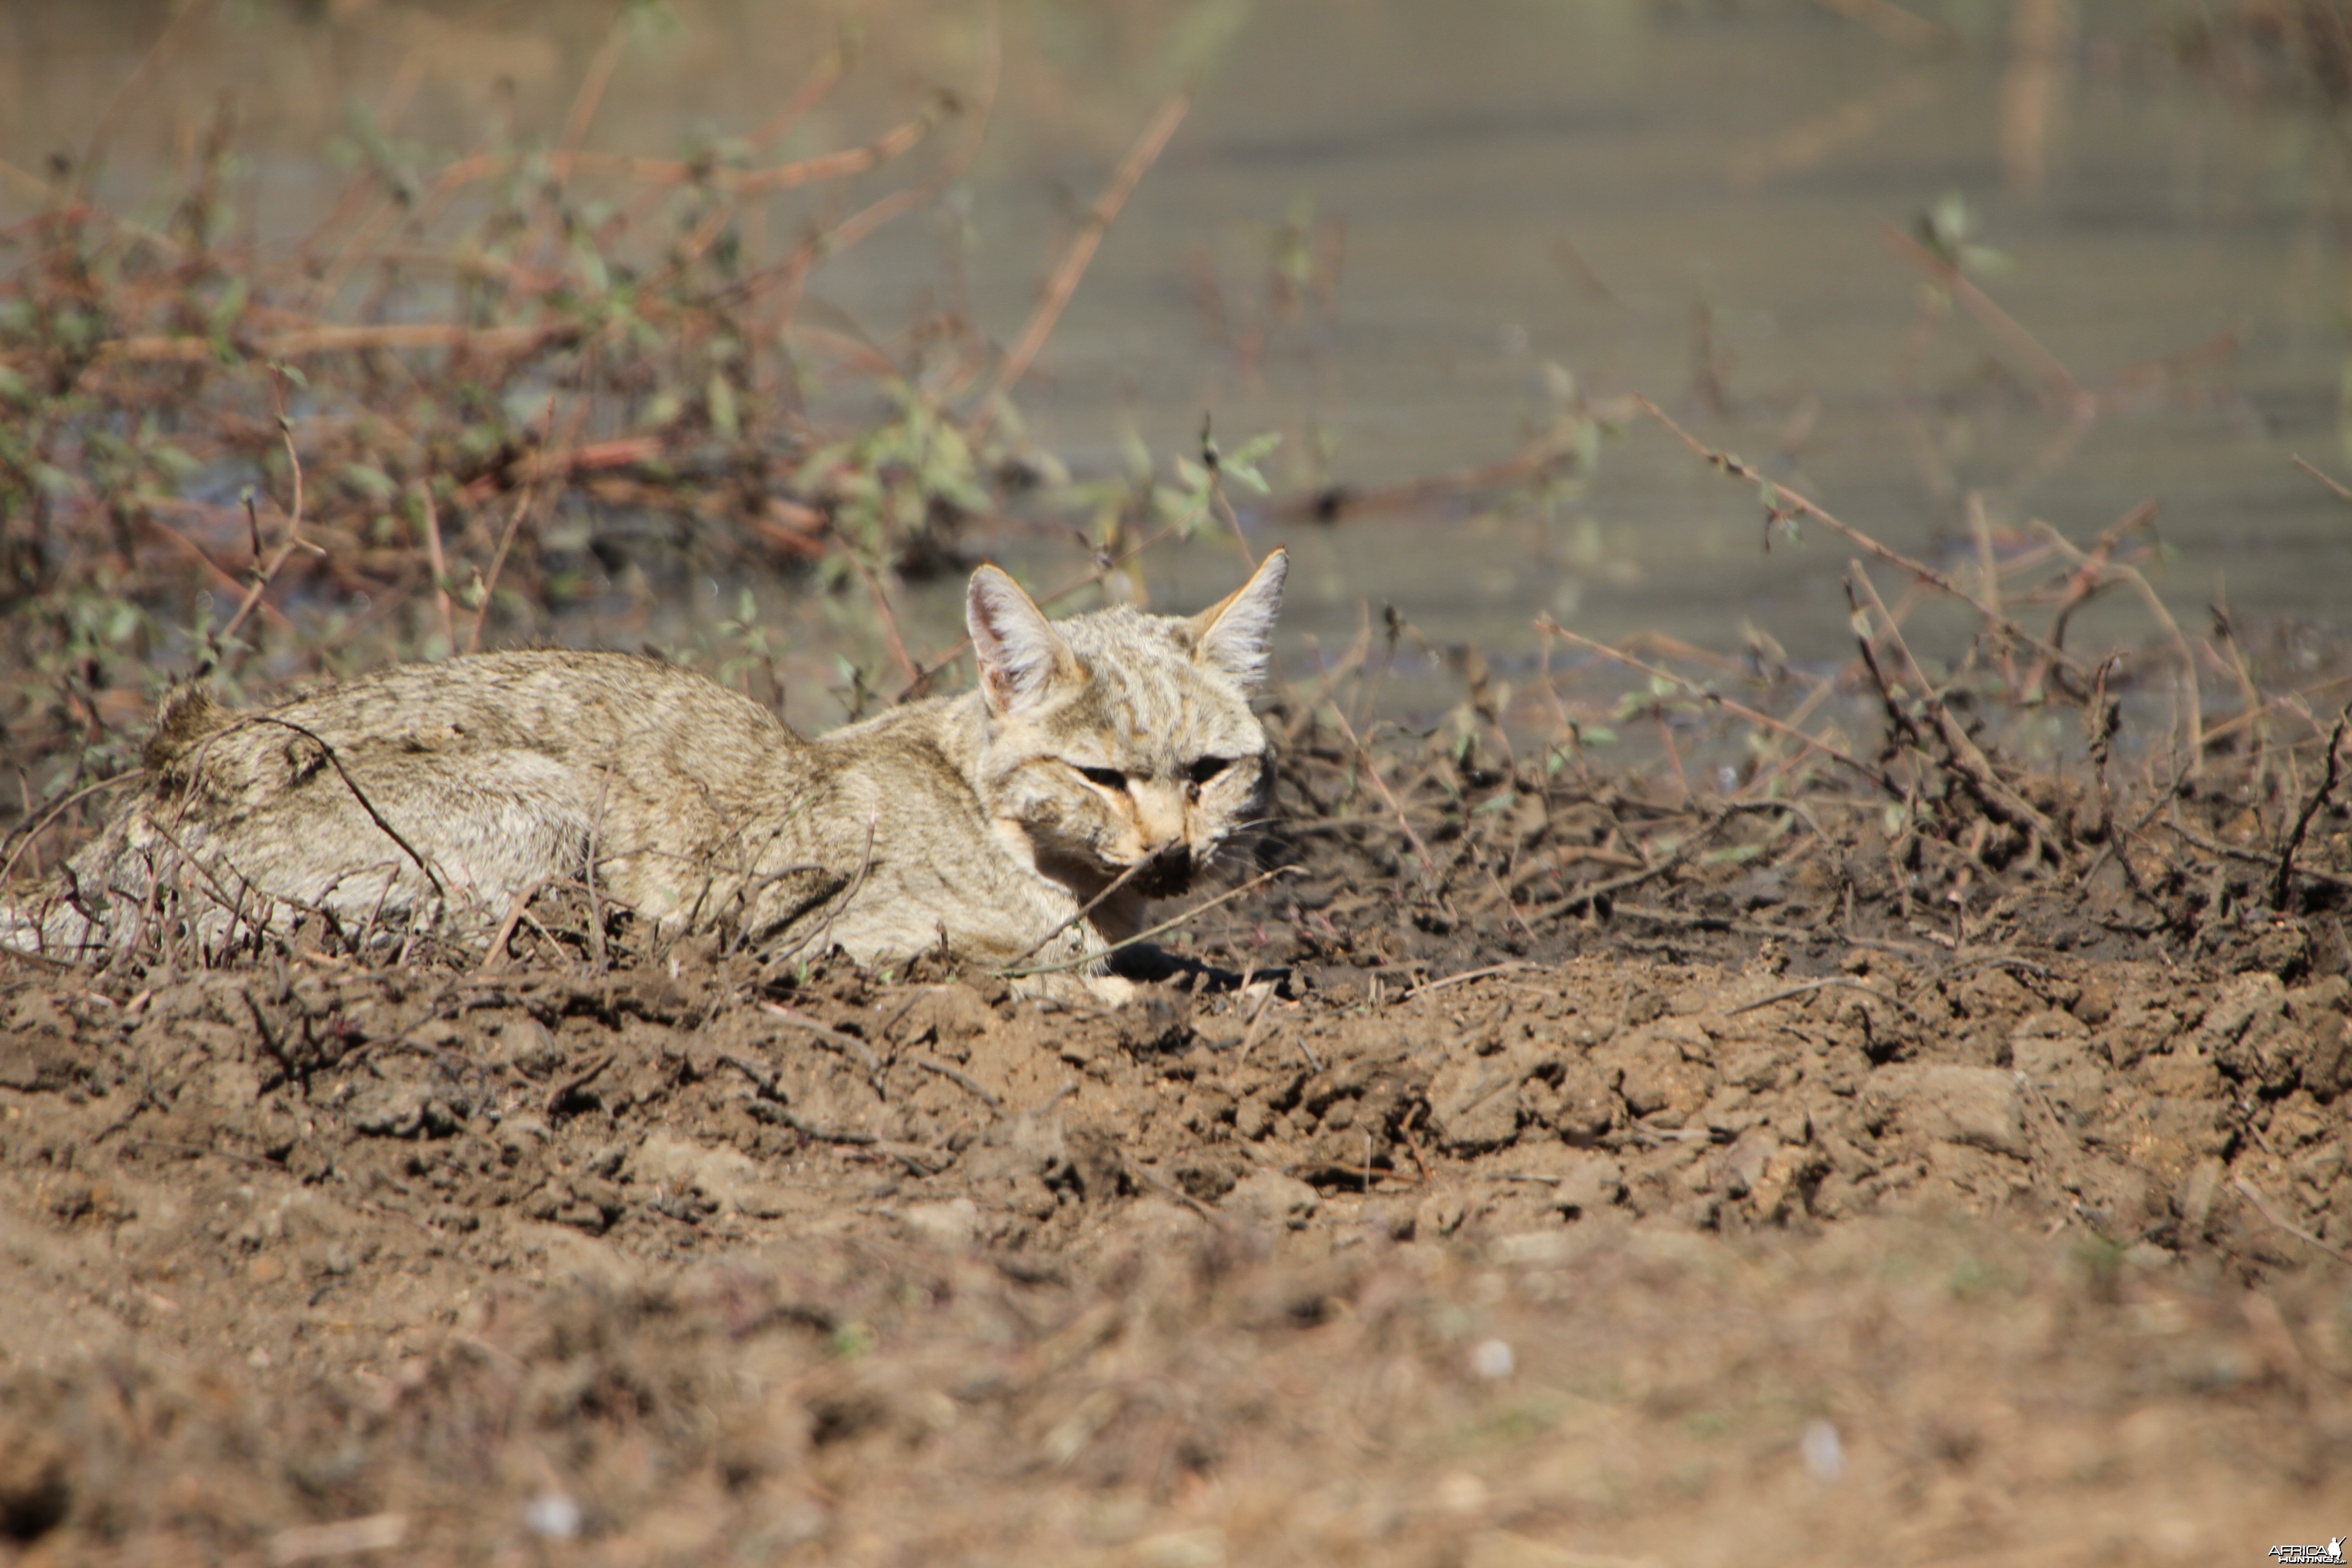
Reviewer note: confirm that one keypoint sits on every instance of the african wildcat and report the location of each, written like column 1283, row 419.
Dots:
column 1112, row 743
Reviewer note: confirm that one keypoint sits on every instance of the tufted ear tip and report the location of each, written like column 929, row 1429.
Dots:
column 1234, row 636
column 1019, row 653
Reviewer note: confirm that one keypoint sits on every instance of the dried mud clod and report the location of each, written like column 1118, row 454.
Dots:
column 475, row 1254
column 2096, row 1095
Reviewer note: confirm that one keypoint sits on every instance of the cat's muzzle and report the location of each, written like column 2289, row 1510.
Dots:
column 1168, row 872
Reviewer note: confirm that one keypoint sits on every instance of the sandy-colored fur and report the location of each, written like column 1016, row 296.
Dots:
column 446, row 792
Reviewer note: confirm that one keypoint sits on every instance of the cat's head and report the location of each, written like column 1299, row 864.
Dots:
column 1120, row 741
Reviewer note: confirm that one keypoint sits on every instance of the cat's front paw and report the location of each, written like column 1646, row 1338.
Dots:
column 1113, row 991
column 1076, row 992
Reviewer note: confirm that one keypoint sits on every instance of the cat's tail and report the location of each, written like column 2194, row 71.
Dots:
column 83, row 910
column 62, row 916
column 47, row 921
column 119, row 893
column 79, row 911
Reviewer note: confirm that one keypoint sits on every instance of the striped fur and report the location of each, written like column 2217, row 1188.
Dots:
column 1110, row 744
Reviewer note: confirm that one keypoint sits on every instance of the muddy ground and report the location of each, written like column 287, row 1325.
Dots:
column 1822, row 1196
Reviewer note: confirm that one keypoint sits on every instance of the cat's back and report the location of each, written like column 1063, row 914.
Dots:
column 555, row 701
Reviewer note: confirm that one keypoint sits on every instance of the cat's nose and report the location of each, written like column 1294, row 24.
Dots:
column 1171, row 865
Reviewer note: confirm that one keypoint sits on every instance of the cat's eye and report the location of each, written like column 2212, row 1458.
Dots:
column 1108, row 778
column 1208, row 768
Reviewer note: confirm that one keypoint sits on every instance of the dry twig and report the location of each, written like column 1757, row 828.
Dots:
column 2282, row 886
column 1073, row 266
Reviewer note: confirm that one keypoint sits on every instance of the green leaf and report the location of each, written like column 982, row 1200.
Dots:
column 1985, row 259
column 1247, row 474
column 1256, row 449
column 1134, row 455
column 662, row 410
column 369, row 481
column 721, row 399
column 171, row 462
column 1203, row 36
column 1588, row 445
column 227, row 309
column 1947, row 226
column 593, row 271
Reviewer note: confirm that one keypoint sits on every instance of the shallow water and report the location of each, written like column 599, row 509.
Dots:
column 1685, row 201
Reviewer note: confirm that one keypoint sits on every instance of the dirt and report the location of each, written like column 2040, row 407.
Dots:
column 1530, row 1169
column 1581, row 1260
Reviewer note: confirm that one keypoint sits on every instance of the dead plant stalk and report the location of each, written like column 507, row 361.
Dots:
column 294, row 540
column 2283, row 885
column 1786, row 498
column 1195, row 912
column 1063, row 282
column 1878, row 777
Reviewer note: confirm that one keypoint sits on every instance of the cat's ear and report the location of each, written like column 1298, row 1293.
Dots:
column 1020, row 654
column 1232, row 636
